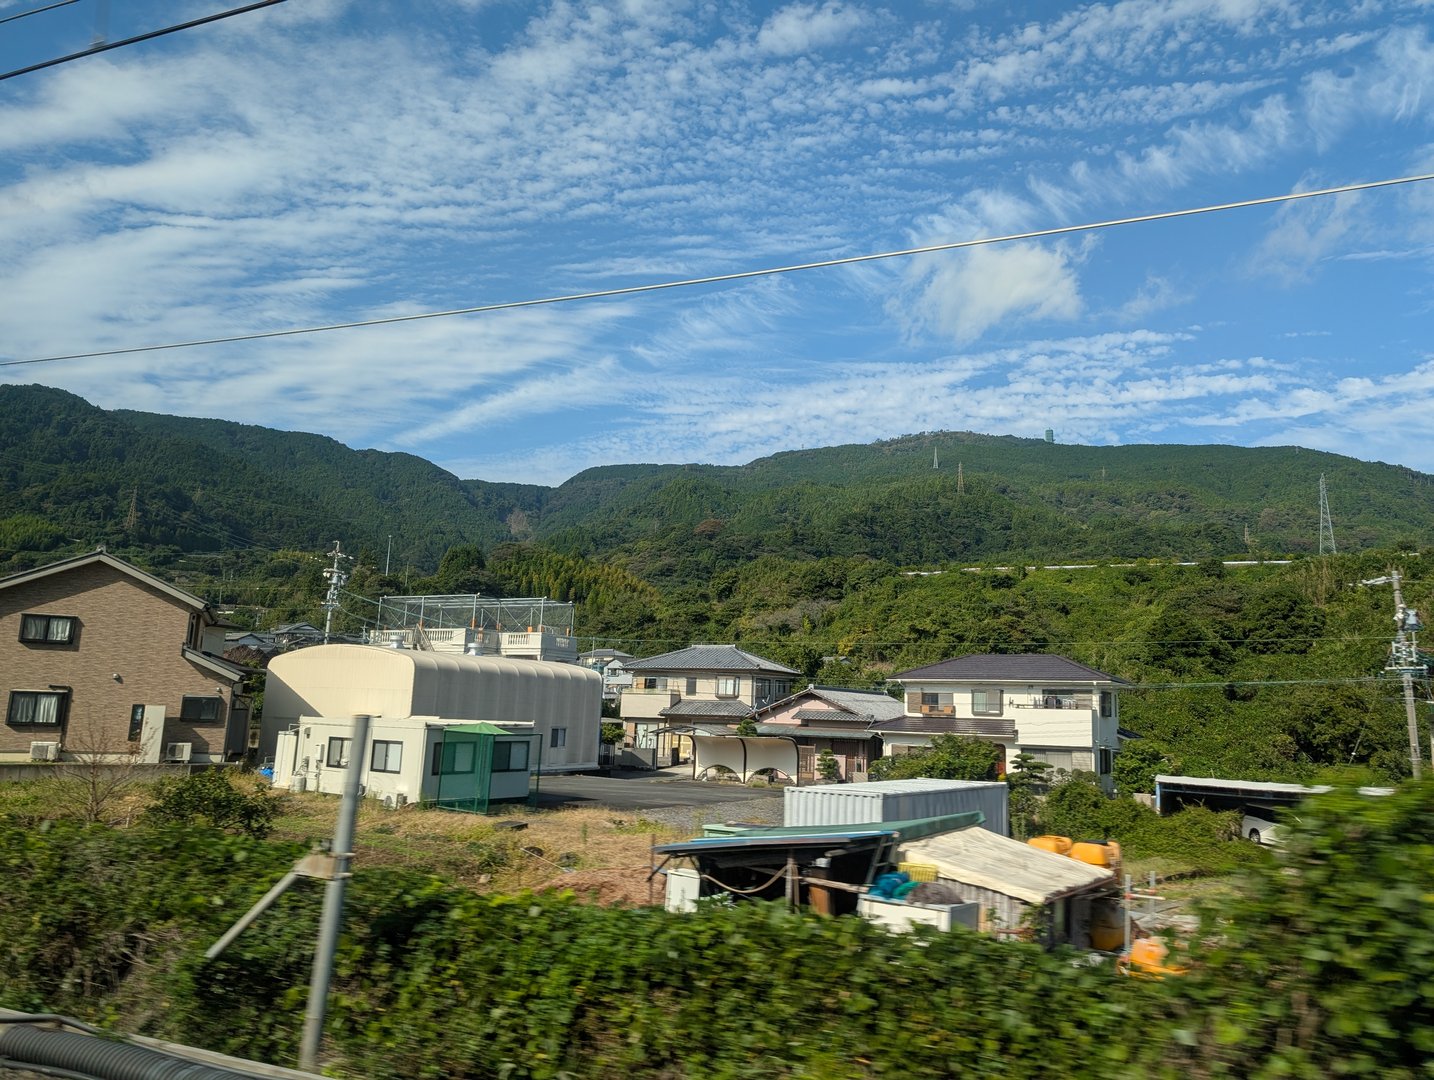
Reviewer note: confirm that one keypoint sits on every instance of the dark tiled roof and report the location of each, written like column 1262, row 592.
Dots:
column 1008, row 667
column 695, row 707
column 841, row 704
column 832, row 716
column 709, row 658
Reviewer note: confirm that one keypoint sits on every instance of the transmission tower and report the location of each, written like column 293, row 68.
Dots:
column 1326, row 526
column 132, row 518
column 960, row 479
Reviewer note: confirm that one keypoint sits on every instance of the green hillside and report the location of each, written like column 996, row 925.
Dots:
column 76, row 473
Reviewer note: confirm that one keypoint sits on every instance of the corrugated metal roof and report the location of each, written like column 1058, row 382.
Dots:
column 1008, row 667
column 982, row 859
column 709, row 658
column 1255, row 787
column 724, row 707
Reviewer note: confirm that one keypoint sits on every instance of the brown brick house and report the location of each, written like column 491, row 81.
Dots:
column 98, row 656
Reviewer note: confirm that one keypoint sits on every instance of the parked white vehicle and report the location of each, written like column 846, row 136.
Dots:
column 1260, row 827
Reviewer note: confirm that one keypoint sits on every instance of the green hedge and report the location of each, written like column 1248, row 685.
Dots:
column 1323, row 967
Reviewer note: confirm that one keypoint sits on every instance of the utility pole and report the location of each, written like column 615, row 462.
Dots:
column 1326, row 526
column 331, row 920
column 1404, row 660
column 337, row 577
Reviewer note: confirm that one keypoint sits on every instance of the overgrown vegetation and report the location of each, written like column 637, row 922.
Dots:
column 1321, row 966
column 949, row 757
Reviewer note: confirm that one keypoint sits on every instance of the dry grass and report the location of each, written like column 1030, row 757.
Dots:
column 515, row 849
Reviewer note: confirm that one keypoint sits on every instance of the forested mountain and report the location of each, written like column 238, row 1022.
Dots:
column 75, row 473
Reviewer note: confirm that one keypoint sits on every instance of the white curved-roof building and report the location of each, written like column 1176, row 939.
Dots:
column 563, row 702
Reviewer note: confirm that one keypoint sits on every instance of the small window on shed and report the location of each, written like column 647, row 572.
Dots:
column 510, row 757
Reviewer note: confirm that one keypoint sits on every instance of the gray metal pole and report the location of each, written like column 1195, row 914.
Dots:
column 1414, row 755
column 332, row 919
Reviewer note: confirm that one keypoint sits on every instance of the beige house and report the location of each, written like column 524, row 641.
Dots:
column 1059, row 711
column 99, row 657
column 831, row 718
column 702, row 687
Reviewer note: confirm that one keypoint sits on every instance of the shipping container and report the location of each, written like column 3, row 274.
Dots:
column 897, row 800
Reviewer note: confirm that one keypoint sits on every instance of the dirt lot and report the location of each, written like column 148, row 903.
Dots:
column 598, row 852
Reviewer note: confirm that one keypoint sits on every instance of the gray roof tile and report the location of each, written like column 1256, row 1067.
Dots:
column 709, row 658
column 1007, row 667
column 693, row 707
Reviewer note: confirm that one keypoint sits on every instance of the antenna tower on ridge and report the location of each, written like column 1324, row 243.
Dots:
column 1326, row 526
column 960, row 480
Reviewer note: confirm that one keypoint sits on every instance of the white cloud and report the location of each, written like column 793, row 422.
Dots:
column 802, row 28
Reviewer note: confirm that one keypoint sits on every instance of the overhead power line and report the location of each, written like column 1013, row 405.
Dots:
column 136, row 39
column 714, row 279
column 37, row 11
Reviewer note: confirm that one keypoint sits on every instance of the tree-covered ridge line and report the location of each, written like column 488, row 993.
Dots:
column 73, row 472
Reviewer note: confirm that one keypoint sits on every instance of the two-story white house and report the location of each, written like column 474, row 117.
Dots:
column 1048, row 706
column 611, row 664
column 702, row 687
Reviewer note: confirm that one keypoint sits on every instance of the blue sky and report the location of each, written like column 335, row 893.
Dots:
column 332, row 160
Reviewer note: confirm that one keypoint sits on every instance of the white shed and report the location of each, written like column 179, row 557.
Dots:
column 563, row 702
column 413, row 760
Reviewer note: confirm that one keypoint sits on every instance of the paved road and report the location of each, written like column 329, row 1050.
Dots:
column 643, row 791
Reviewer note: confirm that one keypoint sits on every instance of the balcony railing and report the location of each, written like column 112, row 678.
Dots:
column 1052, row 701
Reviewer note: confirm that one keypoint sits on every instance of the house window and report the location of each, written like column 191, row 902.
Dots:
column 558, row 737
column 1106, row 759
column 511, row 756
column 47, row 629
column 38, row 707
column 691, row 685
column 453, row 758
column 985, row 702
column 387, row 756
column 655, row 682
column 935, row 699
column 728, row 686
column 1107, row 703
column 200, row 710
column 764, row 690
column 136, row 722
column 338, row 756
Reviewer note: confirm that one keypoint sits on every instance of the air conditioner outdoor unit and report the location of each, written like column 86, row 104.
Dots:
column 44, row 751
column 178, row 751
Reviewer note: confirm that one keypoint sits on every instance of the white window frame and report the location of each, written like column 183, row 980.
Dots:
column 984, row 708
column 729, row 686
column 558, row 738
